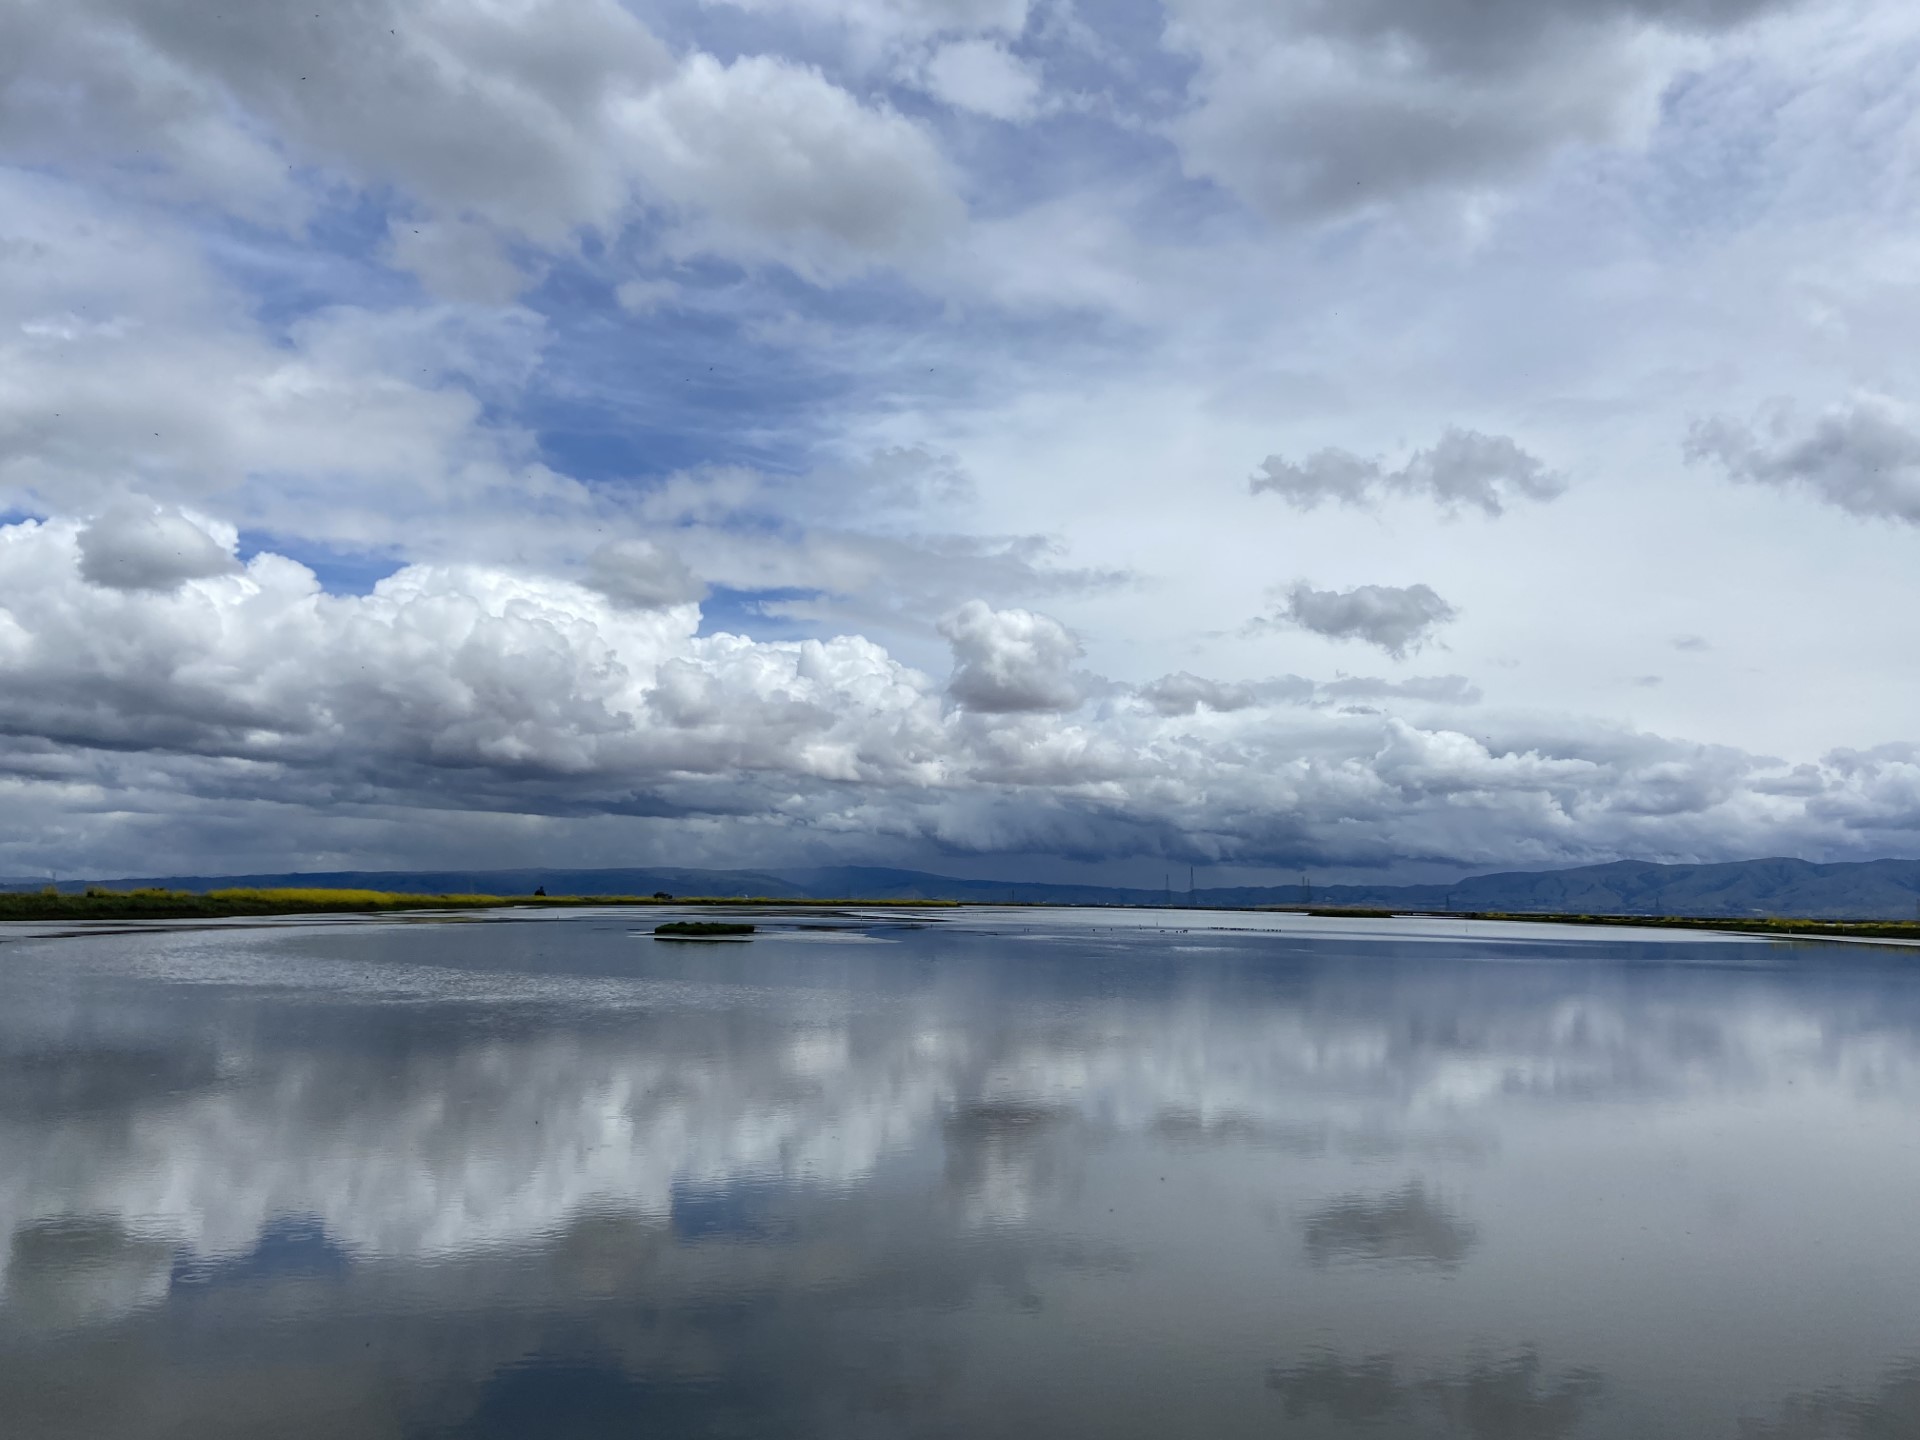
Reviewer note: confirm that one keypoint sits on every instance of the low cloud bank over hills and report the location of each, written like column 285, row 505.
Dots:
column 1874, row 889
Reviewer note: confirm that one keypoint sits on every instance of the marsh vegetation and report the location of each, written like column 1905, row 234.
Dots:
column 701, row 930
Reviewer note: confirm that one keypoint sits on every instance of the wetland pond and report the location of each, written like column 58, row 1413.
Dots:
column 967, row 1173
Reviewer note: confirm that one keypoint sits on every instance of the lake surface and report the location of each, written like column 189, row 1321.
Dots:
column 968, row 1173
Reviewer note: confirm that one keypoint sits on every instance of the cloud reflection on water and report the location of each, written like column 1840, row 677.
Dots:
column 1513, row 1397
column 832, row 1184
column 1405, row 1227
column 1888, row 1411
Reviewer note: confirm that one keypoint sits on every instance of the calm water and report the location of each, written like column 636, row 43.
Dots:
column 1061, row 1175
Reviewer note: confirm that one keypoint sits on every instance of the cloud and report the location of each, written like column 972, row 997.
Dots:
column 643, row 297
column 137, row 545
column 1464, row 467
column 209, row 299
column 536, row 119
column 141, row 368
column 457, row 709
column 1010, row 661
column 984, row 77
column 1185, row 694
column 1863, row 457
column 397, row 434
column 1308, row 110
column 642, row 575
column 890, row 22
column 1397, row 619
column 779, row 160
column 456, row 259
column 1439, row 689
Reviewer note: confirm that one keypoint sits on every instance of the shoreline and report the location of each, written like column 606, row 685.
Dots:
column 147, row 905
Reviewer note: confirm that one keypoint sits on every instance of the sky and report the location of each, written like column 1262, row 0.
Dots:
column 1384, row 438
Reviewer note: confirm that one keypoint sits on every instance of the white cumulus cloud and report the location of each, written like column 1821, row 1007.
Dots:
column 982, row 76
column 1008, row 661
column 450, row 700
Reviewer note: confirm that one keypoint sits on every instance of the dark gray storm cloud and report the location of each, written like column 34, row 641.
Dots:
column 1396, row 619
column 1863, row 457
column 1462, row 468
column 1308, row 108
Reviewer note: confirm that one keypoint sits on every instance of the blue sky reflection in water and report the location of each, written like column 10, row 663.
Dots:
column 1064, row 1174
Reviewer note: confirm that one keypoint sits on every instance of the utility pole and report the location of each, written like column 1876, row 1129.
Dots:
column 1306, row 890
column 1189, row 887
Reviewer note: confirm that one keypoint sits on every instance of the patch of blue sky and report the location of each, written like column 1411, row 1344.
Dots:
column 288, row 1245
column 289, row 274
column 1118, row 41
column 740, row 1209
column 695, row 379
column 340, row 571
column 756, row 613
column 735, row 32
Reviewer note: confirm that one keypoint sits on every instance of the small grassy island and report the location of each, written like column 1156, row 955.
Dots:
column 701, row 930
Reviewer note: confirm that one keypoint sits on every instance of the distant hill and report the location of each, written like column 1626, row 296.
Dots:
column 1857, row 890
column 1862, row 890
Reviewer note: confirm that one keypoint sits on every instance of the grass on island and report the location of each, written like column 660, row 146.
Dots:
column 700, row 930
